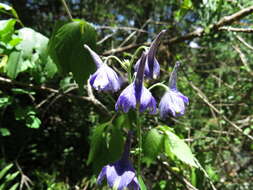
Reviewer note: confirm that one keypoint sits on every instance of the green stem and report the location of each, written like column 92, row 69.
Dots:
column 67, row 9
column 138, row 122
column 159, row 84
column 117, row 59
column 132, row 61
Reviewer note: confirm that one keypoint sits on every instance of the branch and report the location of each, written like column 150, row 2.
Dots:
column 92, row 99
column 233, row 29
column 204, row 98
column 197, row 33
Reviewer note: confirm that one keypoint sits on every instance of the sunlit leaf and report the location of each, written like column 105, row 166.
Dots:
column 66, row 49
column 178, row 147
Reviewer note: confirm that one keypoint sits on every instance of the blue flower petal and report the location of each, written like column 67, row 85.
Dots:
column 173, row 102
column 105, row 79
column 102, row 175
column 147, row 101
column 127, row 99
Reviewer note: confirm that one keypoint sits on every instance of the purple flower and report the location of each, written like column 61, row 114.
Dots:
column 152, row 68
column 173, row 102
column 136, row 94
column 121, row 174
column 105, row 78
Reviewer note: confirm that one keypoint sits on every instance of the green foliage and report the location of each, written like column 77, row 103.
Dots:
column 66, row 49
column 177, row 147
column 153, row 145
column 8, row 178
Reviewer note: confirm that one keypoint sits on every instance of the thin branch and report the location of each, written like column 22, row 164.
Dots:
column 67, row 9
column 199, row 32
column 244, row 42
column 204, row 98
column 122, row 28
column 233, row 29
column 92, row 100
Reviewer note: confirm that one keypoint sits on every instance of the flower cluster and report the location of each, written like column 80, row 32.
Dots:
column 136, row 95
column 121, row 174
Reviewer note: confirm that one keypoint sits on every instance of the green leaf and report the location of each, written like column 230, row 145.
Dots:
column 66, row 49
column 7, row 8
column 32, row 42
column 4, row 132
column 152, row 145
column 5, row 170
column 5, row 101
column 141, row 182
column 6, row 29
column 33, row 122
column 178, row 147
column 15, row 186
column 96, row 141
column 13, row 66
column 116, row 143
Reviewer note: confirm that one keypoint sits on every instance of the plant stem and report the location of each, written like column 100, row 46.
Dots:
column 138, row 122
column 67, row 9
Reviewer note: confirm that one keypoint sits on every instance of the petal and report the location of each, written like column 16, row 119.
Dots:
column 172, row 102
column 147, row 101
column 173, row 77
column 102, row 175
column 134, row 184
column 154, row 68
column 105, row 79
column 126, row 99
column 94, row 56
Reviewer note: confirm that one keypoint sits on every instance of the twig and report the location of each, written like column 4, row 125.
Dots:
column 197, row 33
column 181, row 178
column 244, row 42
column 243, row 59
column 233, row 29
column 92, row 100
column 24, row 179
column 122, row 28
column 204, row 98
column 67, row 9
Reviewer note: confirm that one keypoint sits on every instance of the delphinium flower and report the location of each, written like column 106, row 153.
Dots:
column 105, row 78
column 136, row 94
column 121, row 174
column 173, row 102
column 152, row 68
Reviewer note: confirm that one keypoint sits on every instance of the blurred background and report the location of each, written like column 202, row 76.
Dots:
column 46, row 135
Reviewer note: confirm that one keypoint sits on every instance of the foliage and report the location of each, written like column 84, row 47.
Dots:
column 61, row 138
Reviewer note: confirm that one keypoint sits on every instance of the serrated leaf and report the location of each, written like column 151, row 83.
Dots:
column 66, row 49
column 96, row 141
column 152, row 145
column 179, row 148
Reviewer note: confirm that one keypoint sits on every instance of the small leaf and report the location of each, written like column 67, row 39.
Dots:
column 5, row 170
column 33, row 122
column 66, row 49
column 6, row 29
column 4, row 132
column 152, row 145
column 179, row 148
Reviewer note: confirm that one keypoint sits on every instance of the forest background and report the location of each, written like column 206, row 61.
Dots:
column 49, row 118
